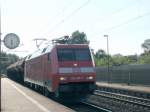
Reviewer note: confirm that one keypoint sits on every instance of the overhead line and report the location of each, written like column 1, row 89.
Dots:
column 70, row 15
column 126, row 22
column 115, row 12
column 129, row 21
column 76, row 10
column 58, row 14
column 122, row 9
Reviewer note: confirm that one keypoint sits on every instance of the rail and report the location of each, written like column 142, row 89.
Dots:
column 124, row 98
column 95, row 106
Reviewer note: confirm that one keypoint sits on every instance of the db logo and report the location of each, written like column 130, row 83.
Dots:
column 76, row 70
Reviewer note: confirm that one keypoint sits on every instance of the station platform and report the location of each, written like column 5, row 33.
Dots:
column 17, row 98
column 135, row 88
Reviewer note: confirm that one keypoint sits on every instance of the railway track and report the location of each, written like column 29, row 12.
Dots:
column 140, row 102
column 86, row 107
column 82, row 106
column 97, row 107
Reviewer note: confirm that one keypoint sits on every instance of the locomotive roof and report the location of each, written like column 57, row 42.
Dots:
column 49, row 48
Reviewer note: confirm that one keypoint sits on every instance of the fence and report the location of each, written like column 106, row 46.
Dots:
column 129, row 74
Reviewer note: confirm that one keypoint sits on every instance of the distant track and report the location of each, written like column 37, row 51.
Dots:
column 124, row 98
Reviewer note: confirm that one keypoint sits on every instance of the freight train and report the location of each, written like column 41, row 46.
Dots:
column 16, row 71
column 62, row 69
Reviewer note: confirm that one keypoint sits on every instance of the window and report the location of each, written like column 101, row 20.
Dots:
column 82, row 54
column 65, row 54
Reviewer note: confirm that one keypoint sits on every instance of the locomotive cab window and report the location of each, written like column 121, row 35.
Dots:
column 65, row 54
column 82, row 54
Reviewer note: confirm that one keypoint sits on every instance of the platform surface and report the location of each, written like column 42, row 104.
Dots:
column 17, row 98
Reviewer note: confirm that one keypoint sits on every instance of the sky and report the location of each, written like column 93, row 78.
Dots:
column 126, row 22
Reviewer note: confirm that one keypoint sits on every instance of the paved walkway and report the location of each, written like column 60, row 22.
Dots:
column 17, row 98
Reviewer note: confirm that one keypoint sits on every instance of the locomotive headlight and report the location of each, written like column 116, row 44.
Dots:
column 62, row 78
column 90, row 77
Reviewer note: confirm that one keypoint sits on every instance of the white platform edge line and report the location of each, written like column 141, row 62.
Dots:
column 31, row 99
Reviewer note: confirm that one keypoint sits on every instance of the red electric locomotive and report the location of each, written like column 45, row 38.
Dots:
column 62, row 69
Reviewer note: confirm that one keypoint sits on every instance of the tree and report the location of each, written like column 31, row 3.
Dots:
column 132, row 59
column 100, row 53
column 78, row 38
column 144, row 58
column 6, row 60
column 146, row 45
column 118, row 60
column 101, row 58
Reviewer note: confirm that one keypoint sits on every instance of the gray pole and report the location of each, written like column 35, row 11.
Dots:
column 0, row 60
column 109, row 78
column 0, row 69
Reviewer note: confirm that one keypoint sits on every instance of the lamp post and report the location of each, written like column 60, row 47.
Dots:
column 0, row 69
column 108, row 72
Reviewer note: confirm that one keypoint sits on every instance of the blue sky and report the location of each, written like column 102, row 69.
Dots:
column 126, row 22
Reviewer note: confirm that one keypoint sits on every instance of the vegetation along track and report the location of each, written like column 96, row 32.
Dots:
column 134, row 101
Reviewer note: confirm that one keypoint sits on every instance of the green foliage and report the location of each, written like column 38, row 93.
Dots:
column 146, row 45
column 132, row 59
column 117, row 60
column 78, row 38
column 101, row 58
column 6, row 60
column 120, row 60
column 103, row 61
column 100, row 54
column 144, row 58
